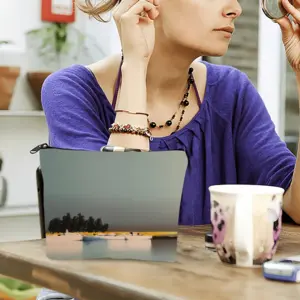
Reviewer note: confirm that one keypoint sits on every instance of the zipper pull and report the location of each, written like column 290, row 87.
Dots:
column 39, row 147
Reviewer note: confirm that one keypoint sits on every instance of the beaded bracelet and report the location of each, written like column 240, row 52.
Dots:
column 127, row 128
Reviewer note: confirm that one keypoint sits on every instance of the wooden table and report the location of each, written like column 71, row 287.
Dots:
column 198, row 274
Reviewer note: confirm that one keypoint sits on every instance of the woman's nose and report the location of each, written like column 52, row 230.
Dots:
column 232, row 10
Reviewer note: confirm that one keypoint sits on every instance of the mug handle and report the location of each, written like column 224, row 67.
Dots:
column 4, row 191
column 243, row 230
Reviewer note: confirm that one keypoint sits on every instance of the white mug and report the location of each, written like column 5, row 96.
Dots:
column 246, row 222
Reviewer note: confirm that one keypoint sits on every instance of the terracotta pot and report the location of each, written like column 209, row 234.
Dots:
column 36, row 80
column 3, row 296
column 8, row 78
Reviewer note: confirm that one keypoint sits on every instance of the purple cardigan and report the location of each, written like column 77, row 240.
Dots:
column 230, row 140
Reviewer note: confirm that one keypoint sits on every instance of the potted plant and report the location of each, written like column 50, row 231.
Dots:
column 10, row 61
column 52, row 47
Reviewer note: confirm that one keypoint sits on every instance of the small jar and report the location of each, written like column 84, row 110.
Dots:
column 209, row 242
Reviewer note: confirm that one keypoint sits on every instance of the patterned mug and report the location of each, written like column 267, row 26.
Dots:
column 246, row 222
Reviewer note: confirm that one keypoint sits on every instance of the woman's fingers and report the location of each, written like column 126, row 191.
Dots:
column 134, row 20
column 144, row 8
column 292, row 9
column 126, row 5
column 286, row 29
column 141, row 10
column 296, row 3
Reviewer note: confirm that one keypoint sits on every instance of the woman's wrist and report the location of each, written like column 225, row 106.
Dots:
column 133, row 94
column 135, row 66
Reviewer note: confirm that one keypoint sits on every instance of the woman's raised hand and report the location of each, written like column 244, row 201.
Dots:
column 291, row 33
column 134, row 19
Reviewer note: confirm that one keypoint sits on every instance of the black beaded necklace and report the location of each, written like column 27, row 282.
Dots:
column 184, row 103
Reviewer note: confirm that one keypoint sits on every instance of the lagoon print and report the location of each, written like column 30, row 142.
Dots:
column 77, row 237
column 100, row 205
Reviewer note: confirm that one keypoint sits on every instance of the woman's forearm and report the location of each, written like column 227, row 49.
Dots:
column 132, row 97
column 291, row 202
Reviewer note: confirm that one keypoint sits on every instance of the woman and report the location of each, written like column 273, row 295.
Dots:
column 212, row 112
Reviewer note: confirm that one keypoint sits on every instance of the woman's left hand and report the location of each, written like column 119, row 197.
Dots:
column 291, row 33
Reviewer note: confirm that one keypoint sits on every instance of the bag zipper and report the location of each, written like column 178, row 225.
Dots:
column 39, row 147
column 45, row 146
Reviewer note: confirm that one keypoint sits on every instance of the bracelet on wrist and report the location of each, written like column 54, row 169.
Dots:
column 132, row 113
column 130, row 129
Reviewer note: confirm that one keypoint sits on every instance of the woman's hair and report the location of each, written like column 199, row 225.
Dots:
column 95, row 10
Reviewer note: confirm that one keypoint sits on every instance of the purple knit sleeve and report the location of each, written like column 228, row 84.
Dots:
column 75, row 118
column 262, row 157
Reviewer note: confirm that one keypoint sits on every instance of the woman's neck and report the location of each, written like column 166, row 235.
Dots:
column 168, row 70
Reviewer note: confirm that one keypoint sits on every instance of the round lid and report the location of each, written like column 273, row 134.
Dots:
column 209, row 238
column 274, row 9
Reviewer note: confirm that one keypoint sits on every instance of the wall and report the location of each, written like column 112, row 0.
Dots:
column 243, row 49
column 17, row 17
column 23, row 126
column 292, row 104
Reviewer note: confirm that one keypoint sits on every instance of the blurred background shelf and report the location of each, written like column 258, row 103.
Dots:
column 20, row 113
column 29, row 210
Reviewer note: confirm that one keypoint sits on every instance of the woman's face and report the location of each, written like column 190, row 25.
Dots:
column 195, row 24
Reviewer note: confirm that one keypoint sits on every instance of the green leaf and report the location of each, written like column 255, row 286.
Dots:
column 53, row 41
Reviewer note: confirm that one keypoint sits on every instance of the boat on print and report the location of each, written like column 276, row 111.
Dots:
column 125, row 237
column 87, row 238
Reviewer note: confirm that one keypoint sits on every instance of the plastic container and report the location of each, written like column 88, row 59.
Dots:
column 14, row 289
column 209, row 242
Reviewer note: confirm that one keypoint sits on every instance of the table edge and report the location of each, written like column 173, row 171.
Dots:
column 112, row 287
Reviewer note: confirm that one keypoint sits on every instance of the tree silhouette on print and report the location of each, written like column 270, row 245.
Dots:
column 76, row 223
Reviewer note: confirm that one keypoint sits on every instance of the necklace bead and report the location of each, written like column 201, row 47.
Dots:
column 183, row 104
column 152, row 124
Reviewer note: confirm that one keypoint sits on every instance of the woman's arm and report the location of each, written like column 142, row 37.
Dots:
column 292, row 197
column 291, row 40
column 76, row 115
column 133, row 98
column 262, row 157
column 134, row 20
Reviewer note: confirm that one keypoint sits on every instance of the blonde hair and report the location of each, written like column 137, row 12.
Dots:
column 95, row 10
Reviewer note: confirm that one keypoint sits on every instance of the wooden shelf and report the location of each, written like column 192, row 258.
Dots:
column 18, row 113
column 28, row 210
